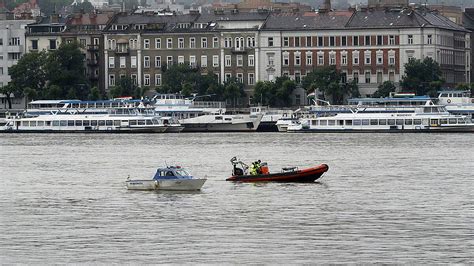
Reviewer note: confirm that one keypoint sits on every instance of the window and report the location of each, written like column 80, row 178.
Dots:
column 367, row 57
column 332, row 58
column 122, row 62
column 215, row 42
column 52, row 44
column 14, row 56
column 379, row 77
column 157, row 61
column 146, row 44
column 192, row 61
column 134, row 79
column 367, row 41
column 297, row 41
column 240, row 60
column 146, row 62
column 286, row 41
column 203, row 60
column 320, row 41
column 430, row 39
column 320, row 59
column 391, row 58
column 158, row 43
column 227, row 77
column 309, row 58
column 343, row 77
column 332, row 41
column 297, row 59
column 169, row 60
column 355, row 58
column 111, row 80
column 391, row 76
column 146, row 79
column 111, row 62
column 192, row 42
column 133, row 61
column 286, row 59
column 158, row 79
column 228, row 61
column 215, row 61
column 169, row 43
column 309, row 42
column 240, row 77
column 239, row 43
column 204, row 42
column 34, row 44
column 228, row 42
column 251, row 42
column 356, row 76
column 297, row 77
column 367, row 76
column 343, row 41
column 344, row 59
column 379, row 40
column 380, row 58
column 355, row 40
column 180, row 59
column 251, row 80
column 271, row 60
column 270, row 41
column 391, row 39
column 180, row 43
column 251, row 60
column 410, row 39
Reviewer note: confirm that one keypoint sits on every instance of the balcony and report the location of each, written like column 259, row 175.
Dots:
column 239, row 50
column 122, row 51
column 93, row 47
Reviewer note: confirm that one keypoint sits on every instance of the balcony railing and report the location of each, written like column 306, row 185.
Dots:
column 238, row 50
column 122, row 51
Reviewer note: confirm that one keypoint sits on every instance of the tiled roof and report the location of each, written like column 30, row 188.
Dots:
column 90, row 19
column 307, row 20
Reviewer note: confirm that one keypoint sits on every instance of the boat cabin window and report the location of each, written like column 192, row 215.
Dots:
column 228, row 119
column 357, row 122
column 101, row 123
column 399, row 122
column 56, row 123
column 331, row 122
column 40, row 123
column 78, row 123
column 133, row 122
column 348, row 122
column 70, row 123
column 218, row 117
column 340, row 122
column 141, row 122
column 409, row 122
column 117, row 123
column 169, row 173
column 323, row 122
column 444, row 121
column 391, row 122
column 452, row 120
column 313, row 122
column 382, row 122
column 48, row 123
column 63, row 123
column 365, row 122
column 182, row 172
column 417, row 121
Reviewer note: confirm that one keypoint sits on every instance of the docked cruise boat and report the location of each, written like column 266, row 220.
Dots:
column 167, row 178
column 109, row 123
column 270, row 117
column 203, row 116
column 457, row 102
column 428, row 118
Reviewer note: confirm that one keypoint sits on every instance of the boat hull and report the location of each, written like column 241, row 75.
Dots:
column 300, row 176
column 166, row 184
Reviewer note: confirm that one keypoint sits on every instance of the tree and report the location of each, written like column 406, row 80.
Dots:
column 328, row 80
column 49, row 7
column 10, row 91
column 94, row 95
column 283, row 92
column 124, row 87
column 422, row 77
column 84, row 7
column 263, row 93
column 384, row 89
column 29, row 72
column 233, row 90
column 65, row 68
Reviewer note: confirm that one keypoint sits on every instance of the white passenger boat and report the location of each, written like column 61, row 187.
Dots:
column 430, row 118
column 457, row 102
column 270, row 117
column 221, row 123
column 59, row 122
column 167, row 178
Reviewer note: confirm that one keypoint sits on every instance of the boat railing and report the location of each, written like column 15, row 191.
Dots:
column 208, row 104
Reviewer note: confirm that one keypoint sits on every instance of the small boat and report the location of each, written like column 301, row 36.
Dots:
column 290, row 174
column 167, row 178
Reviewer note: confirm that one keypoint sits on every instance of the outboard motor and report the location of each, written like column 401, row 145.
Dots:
column 237, row 171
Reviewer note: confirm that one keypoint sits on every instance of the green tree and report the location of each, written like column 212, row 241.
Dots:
column 422, row 77
column 53, row 92
column 49, row 7
column 124, row 87
column 283, row 92
column 264, row 93
column 385, row 89
column 233, row 91
column 84, row 7
column 29, row 72
column 10, row 91
column 65, row 68
column 94, row 94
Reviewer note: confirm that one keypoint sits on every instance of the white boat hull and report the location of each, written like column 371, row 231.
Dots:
column 221, row 123
column 166, row 184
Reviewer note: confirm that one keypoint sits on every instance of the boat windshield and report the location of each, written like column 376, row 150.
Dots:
column 182, row 172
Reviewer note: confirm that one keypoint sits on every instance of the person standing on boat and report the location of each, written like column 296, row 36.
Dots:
column 253, row 168
column 258, row 167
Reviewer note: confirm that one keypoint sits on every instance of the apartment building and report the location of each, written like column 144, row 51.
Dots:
column 369, row 46
column 45, row 33
column 219, row 43
column 12, row 47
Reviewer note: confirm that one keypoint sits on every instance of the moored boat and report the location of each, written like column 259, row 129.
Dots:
column 167, row 178
column 291, row 174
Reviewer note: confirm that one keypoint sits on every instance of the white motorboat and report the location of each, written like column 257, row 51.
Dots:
column 457, row 102
column 167, row 178
column 221, row 123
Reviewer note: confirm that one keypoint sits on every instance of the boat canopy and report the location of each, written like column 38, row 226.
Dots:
column 172, row 172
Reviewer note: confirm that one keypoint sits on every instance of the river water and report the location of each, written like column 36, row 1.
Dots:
column 387, row 198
